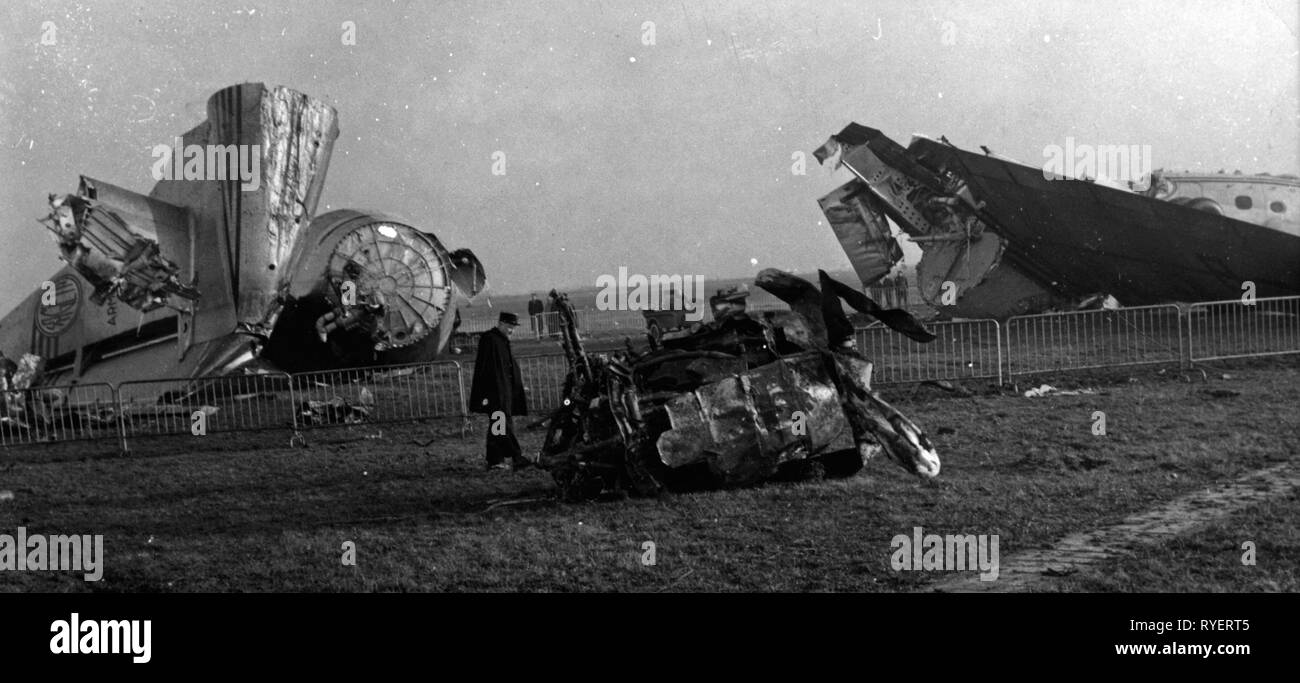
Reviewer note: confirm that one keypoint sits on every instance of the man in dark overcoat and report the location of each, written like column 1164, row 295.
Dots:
column 498, row 392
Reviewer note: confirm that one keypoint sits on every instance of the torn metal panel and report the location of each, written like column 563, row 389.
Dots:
column 467, row 272
column 745, row 426
column 680, row 370
column 298, row 135
column 859, row 222
column 120, row 259
column 876, row 423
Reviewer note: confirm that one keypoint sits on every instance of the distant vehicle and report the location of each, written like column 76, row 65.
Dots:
column 728, row 300
column 721, row 304
column 668, row 320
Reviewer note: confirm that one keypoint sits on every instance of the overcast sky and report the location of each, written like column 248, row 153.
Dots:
column 666, row 158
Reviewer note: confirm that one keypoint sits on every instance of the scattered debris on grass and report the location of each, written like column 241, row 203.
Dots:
column 1049, row 390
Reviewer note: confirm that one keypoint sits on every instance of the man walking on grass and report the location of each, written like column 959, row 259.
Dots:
column 498, row 392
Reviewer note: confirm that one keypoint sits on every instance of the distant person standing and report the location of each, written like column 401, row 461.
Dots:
column 883, row 291
column 553, row 312
column 498, row 392
column 535, row 322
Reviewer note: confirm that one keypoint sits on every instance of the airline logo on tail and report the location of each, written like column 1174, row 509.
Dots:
column 58, row 305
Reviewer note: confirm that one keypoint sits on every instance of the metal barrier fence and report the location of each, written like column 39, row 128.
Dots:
column 964, row 349
column 590, row 321
column 624, row 322
column 392, row 393
column 476, row 324
column 58, row 413
column 233, row 403
column 1232, row 329
column 544, row 325
column 543, row 378
column 890, row 296
column 1080, row 340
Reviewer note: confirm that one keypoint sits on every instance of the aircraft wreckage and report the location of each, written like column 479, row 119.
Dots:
column 224, row 266
column 742, row 399
column 1007, row 239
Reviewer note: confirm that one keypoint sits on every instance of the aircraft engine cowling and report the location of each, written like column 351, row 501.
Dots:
column 365, row 288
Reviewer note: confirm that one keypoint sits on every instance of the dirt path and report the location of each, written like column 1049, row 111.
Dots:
column 1036, row 570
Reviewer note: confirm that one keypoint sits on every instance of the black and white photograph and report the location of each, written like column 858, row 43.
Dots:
column 899, row 299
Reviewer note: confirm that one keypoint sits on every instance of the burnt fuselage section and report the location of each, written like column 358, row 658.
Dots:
column 1000, row 238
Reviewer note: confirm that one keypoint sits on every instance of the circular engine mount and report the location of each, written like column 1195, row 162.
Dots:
column 400, row 271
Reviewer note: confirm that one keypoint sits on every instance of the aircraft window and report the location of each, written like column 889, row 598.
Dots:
column 1277, row 207
column 1243, row 202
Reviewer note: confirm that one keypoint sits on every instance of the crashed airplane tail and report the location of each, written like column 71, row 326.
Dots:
column 226, row 258
column 1000, row 238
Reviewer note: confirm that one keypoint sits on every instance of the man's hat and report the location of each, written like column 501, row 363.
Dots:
column 508, row 318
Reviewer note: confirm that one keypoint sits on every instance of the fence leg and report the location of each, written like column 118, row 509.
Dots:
column 464, row 406
column 297, row 440
column 123, row 449
column 1184, row 340
column 997, row 339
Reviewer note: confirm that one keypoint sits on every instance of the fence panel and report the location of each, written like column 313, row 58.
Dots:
column 544, row 325
column 1231, row 329
column 543, row 381
column 229, row 404
column 593, row 321
column 543, row 378
column 58, row 413
column 590, row 322
column 965, row 349
column 476, row 323
column 1079, row 340
column 391, row 393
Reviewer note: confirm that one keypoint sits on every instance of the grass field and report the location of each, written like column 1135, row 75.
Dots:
column 248, row 513
column 1209, row 560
